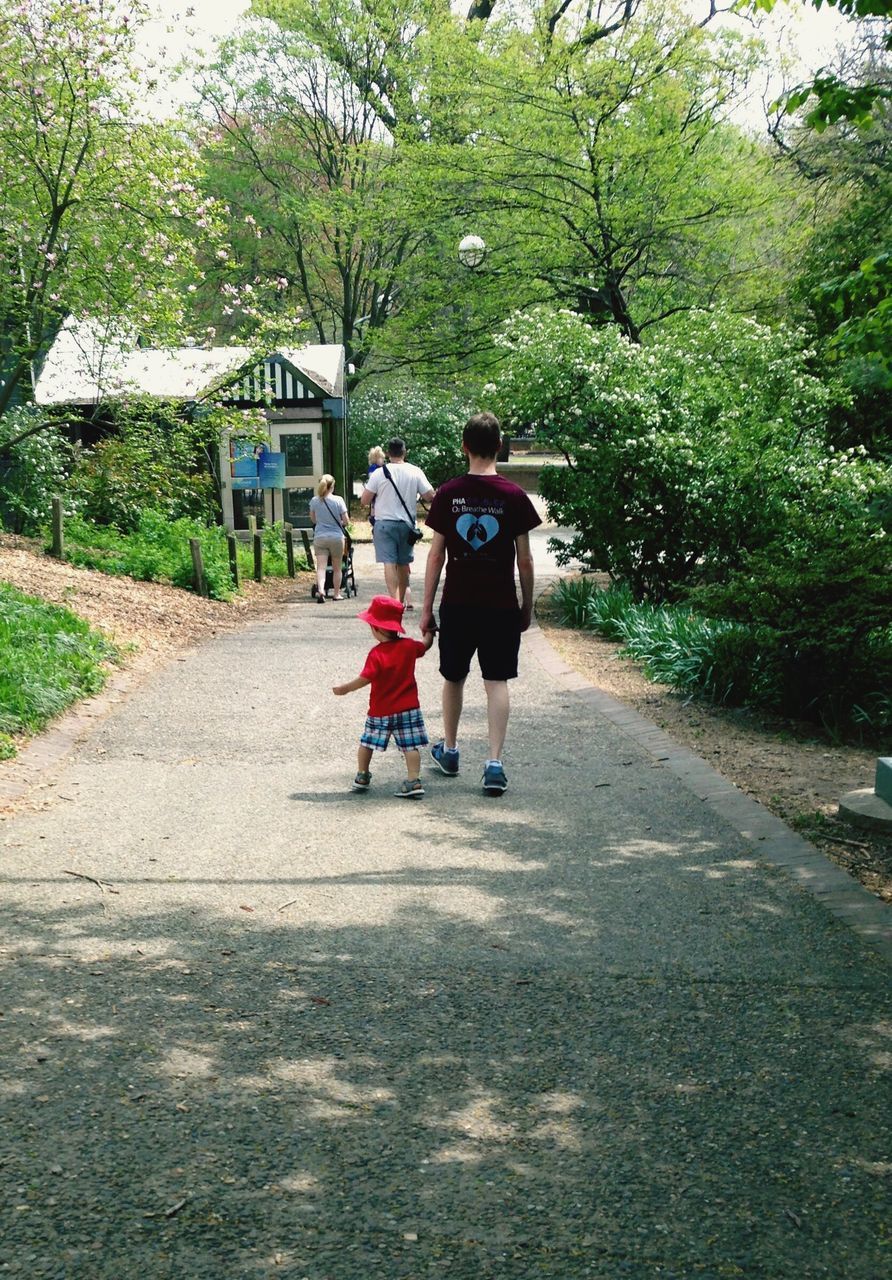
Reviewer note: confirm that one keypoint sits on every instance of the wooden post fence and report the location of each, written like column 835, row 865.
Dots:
column 198, row 578
column 232, row 546
column 258, row 557
column 58, row 530
column 308, row 550
column 289, row 551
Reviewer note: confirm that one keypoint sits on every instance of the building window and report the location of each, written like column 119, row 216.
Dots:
column 298, row 450
column 297, row 506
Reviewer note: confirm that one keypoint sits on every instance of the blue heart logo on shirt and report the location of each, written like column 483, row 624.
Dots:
column 477, row 531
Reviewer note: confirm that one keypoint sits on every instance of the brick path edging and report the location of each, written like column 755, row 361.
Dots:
column 772, row 839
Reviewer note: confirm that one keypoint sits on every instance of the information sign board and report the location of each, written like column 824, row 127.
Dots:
column 271, row 470
column 243, row 464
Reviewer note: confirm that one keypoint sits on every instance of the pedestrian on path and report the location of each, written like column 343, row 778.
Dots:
column 482, row 523
column 394, row 709
column 329, row 516
column 395, row 488
column 377, row 458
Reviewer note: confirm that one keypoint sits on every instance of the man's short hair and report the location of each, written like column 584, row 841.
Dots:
column 396, row 447
column 482, row 435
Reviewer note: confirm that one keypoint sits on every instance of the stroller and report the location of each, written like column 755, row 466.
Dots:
column 348, row 578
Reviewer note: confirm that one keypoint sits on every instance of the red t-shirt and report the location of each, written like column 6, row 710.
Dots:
column 480, row 516
column 391, row 668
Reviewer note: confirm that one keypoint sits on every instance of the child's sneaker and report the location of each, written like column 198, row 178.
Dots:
column 361, row 781
column 446, row 758
column 494, row 781
column 410, row 789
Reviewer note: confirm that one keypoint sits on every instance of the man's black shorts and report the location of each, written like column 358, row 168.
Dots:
column 493, row 634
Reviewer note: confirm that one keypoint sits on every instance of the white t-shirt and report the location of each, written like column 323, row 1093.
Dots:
column 411, row 482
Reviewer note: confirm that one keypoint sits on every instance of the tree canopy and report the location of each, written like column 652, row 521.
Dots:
column 99, row 210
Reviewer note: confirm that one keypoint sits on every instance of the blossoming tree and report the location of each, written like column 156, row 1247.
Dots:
column 99, row 205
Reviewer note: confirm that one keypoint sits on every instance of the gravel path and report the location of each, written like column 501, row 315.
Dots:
column 576, row 1032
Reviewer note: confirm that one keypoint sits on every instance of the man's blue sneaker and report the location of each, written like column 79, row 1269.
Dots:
column 494, row 780
column 446, row 759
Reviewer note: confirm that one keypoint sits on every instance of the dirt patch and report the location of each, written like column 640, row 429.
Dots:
column 780, row 763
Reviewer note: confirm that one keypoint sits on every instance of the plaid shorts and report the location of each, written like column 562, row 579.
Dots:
column 407, row 728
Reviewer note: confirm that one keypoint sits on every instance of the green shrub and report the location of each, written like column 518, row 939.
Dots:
column 152, row 459
column 684, row 452
column 48, row 659
column 158, row 551
column 822, row 599
column 31, row 471
column 831, row 677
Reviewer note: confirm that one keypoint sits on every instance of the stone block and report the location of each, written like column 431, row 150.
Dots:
column 866, row 809
column 883, row 785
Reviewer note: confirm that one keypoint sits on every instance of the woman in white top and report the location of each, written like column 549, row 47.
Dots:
column 329, row 516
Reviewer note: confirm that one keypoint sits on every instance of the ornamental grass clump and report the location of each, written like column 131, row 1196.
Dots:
column 719, row 660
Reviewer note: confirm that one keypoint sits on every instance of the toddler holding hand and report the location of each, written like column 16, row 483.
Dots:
column 393, row 701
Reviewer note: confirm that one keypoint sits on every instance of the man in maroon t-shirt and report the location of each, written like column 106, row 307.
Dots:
column 481, row 526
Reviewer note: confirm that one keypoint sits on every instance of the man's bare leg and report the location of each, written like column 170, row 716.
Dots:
column 453, row 701
column 391, row 580
column 498, row 706
column 396, row 579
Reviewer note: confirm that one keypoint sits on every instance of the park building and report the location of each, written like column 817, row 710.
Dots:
column 301, row 390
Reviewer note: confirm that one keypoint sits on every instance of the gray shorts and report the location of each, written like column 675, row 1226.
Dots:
column 329, row 543
column 392, row 545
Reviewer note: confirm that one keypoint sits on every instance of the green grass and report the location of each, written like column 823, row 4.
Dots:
column 49, row 658
column 158, row 551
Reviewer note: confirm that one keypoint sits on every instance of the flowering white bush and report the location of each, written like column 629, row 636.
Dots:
column 32, row 471
column 684, row 453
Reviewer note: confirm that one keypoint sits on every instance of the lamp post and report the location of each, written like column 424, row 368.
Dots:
column 472, row 252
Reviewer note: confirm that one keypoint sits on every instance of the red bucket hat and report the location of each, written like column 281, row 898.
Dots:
column 385, row 613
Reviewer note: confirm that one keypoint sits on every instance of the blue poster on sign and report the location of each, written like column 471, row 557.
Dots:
column 243, row 464
column 271, row 470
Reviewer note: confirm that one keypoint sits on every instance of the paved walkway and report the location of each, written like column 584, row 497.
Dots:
column 581, row 1031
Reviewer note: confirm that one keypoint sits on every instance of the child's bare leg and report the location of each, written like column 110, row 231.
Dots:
column 363, row 759
column 413, row 764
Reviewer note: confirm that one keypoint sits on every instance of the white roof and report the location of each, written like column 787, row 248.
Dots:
column 85, row 366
